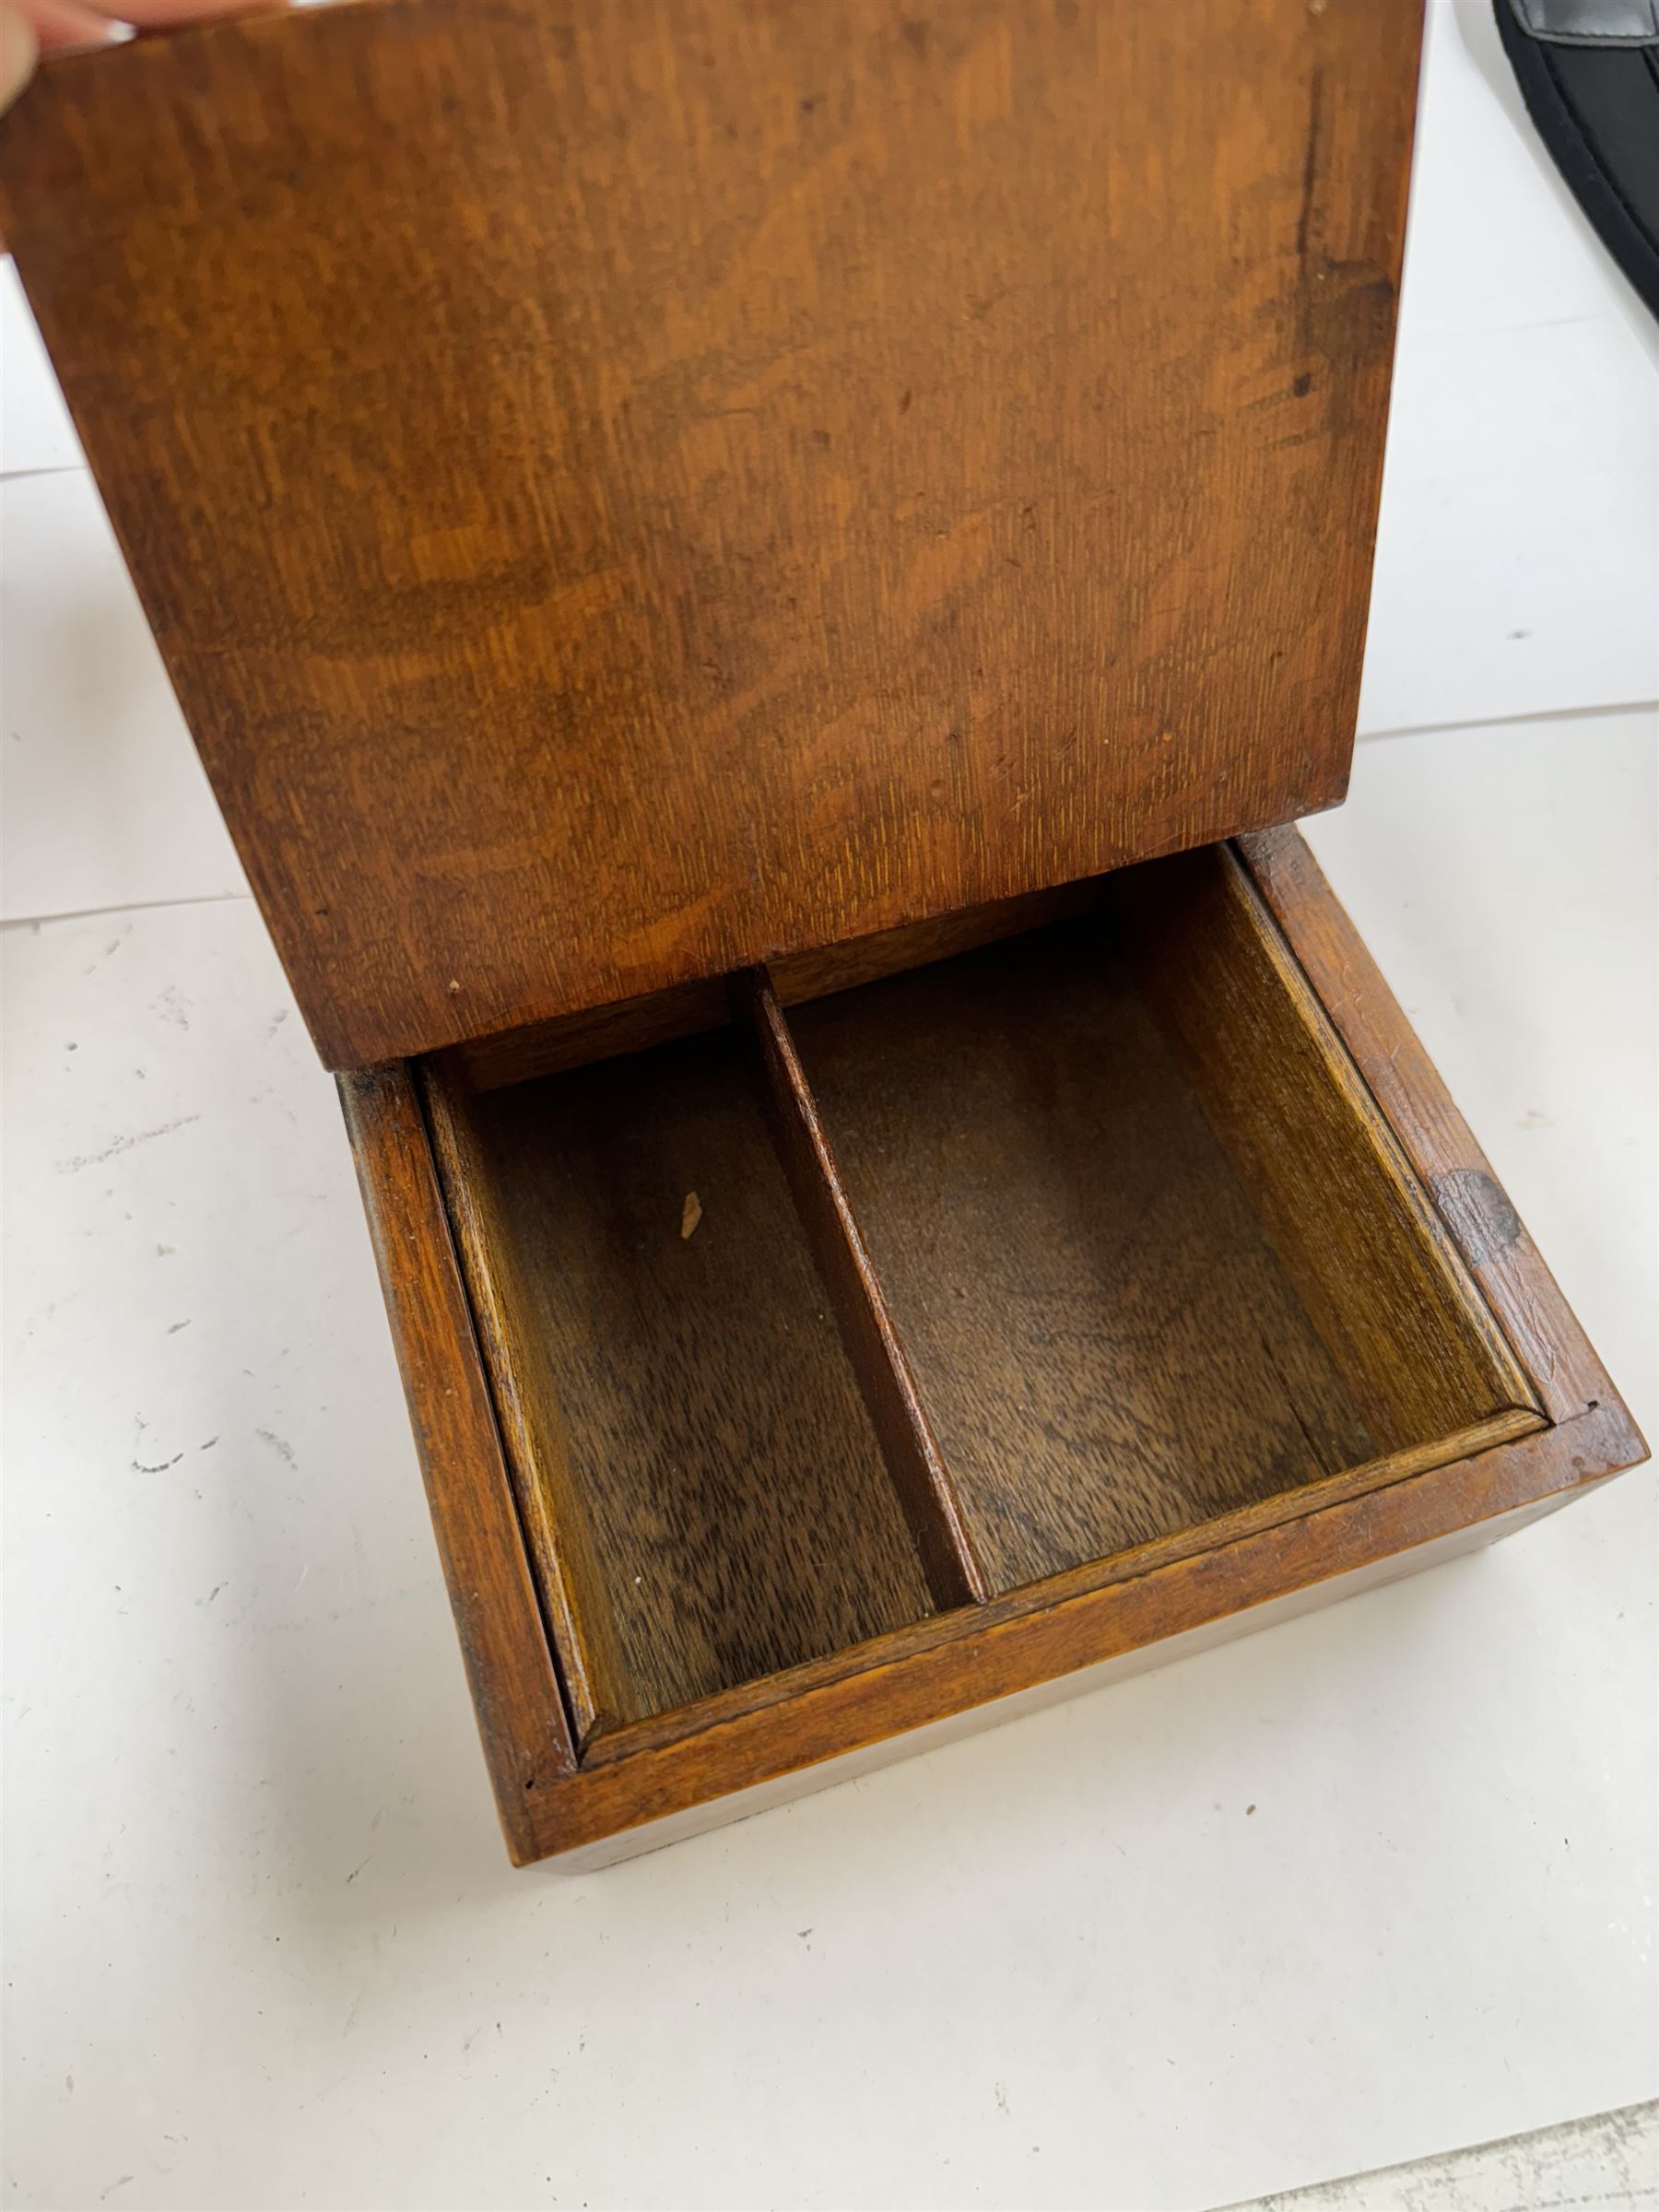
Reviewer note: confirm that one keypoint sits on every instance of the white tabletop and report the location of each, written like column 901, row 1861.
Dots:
column 1363, row 1887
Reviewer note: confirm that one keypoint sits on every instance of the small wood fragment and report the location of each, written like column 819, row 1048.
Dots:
column 690, row 1213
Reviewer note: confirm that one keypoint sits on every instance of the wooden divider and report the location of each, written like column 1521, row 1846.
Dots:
column 954, row 1574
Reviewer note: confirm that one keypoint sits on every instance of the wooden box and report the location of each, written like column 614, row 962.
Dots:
column 754, row 582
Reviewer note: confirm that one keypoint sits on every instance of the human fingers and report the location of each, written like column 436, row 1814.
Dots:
column 173, row 15
column 61, row 24
column 18, row 48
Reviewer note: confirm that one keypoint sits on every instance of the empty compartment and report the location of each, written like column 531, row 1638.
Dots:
column 1150, row 1250
column 700, row 1485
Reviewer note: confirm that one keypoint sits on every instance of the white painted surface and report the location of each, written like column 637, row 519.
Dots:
column 35, row 428
column 1517, row 561
column 263, row 1948
column 106, row 803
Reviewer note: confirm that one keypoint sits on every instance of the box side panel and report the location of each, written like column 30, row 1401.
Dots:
column 509, row 1664
column 761, row 1797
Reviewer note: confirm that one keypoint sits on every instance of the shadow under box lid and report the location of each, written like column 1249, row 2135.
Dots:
column 625, row 491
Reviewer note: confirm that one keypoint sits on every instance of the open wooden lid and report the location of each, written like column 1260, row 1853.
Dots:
column 627, row 487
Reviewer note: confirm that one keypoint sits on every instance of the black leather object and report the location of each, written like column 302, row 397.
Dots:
column 1589, row 74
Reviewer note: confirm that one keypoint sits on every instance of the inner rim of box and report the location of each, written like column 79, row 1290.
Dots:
column 1028, row 1267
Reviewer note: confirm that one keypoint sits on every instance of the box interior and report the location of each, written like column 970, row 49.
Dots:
column 735, row 1504
column 1106, row 1340
column 1148, row 1252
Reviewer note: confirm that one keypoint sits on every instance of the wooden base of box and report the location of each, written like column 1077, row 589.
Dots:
column 807, row 1368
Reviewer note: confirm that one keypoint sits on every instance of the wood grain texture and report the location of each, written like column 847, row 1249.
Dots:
column 1201, row 1581
column 1105, row 1341
column 786, row 1785
column 920, row 1477
column 969, row 1659
column 1370, row 1259
column 579, row 1040
column 1188, row 1542
column 1537, row 1322
column 554, row 1513
column 527, row 1739
column 706, row 1494
column 625, row 491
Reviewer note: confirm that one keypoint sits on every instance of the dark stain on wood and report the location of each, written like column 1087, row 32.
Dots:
column 1478, row 1213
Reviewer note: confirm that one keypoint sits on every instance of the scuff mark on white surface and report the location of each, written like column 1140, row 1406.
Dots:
column 123, row 1144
